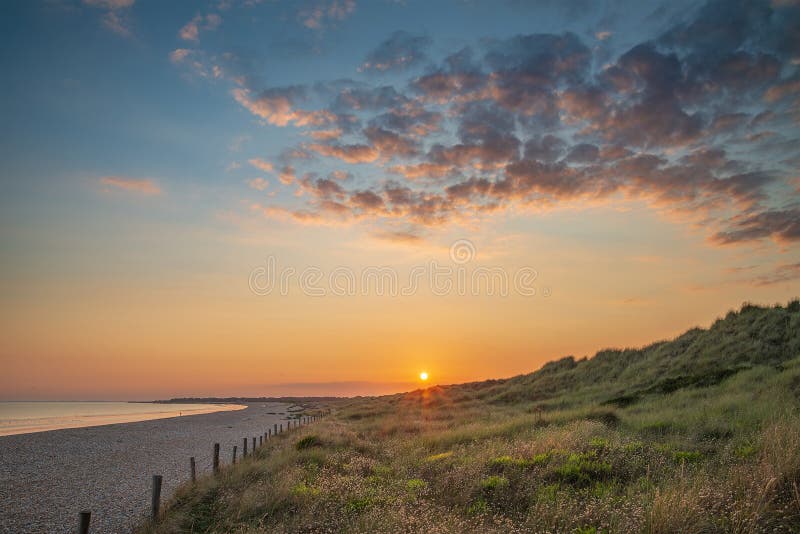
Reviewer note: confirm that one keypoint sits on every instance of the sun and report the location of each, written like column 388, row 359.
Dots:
column 423, row 376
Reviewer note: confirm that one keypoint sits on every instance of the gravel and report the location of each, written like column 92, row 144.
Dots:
column 47, row 478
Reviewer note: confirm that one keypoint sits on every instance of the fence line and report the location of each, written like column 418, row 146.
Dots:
column 84, row 517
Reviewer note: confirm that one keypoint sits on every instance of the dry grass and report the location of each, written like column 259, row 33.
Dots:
column 721, row 457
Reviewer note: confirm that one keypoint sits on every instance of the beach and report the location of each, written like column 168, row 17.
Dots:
column 28, row 417
column 47, row 478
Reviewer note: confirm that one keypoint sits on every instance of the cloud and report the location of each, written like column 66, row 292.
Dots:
column 781, row 274
column 781, row 225
column 696, row 122
column 408, row 238
column 261, row 164
column 400, row 51
column 316, row 16
column 276, row 106
column 347, row 153
column 191, row 30
column 117, row 23
column 140, row 186
column 286, row 175
column 109, row 4
column 179, row 54
column 390, row 144
column 782, row 90
column 326, row 135
column 115, row 17
column 324, row 188
column 259, row 184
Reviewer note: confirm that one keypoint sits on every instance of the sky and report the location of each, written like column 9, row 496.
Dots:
column 329, row 197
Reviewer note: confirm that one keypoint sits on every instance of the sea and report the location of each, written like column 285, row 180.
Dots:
column 22, row 417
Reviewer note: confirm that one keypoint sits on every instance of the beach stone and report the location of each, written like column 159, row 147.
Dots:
column 47, row 478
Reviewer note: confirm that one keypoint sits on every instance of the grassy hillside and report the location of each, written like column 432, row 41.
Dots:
column 697, row 434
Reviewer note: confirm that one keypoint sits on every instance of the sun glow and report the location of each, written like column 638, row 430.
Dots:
column 423, row 376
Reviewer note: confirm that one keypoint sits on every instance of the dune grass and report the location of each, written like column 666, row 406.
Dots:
column 699, row 434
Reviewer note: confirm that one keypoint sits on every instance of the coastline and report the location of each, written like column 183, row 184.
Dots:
column 47, row 478
column 45, row 424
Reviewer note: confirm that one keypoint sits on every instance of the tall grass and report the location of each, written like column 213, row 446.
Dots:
column 706, row 440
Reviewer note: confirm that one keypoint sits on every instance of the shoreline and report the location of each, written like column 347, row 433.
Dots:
column 47, row 478
column 41, row 424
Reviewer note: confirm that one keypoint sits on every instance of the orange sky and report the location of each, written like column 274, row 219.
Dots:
column 113, row 332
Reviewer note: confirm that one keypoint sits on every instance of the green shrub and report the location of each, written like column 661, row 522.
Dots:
column 583, row 469
column 494, row 482
column 308, row 442
column 479, row 507
column 415, row 484
column 508, row 461
column 303, row 490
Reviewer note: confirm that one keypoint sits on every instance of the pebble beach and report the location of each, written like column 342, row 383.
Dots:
column 47, row 478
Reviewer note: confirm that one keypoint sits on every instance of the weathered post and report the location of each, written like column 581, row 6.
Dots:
column 155, row 503
column 281, row 428
column 244, row 447
column 193, row 469
column 276, row 429
column 234, row 454
column 85, row 518
column 254, row 444
column 216, row 458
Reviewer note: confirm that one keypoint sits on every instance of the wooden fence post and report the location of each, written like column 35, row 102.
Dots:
column 276, row 429
column 234, row 454
column 244, row 447
column 155, row 504
column 193, row 469
column 85, row 518
column 254, row 445
column 216, row 458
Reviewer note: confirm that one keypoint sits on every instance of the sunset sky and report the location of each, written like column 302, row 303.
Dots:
column 640, row 161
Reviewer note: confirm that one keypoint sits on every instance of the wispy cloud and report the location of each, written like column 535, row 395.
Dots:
column 402, row 237
column 400, row 51
column 319, row 14
column 261, row 164
column 191, row 30
column 109, row 4
column 781, row 274
column 259, row 184
column 116, row 16
column 277, row 107
column 179, row 54
column 131, row 185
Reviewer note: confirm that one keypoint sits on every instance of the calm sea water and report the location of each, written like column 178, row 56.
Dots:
column 25, row 417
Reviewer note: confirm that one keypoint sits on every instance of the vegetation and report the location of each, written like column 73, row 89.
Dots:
column 698, row 434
